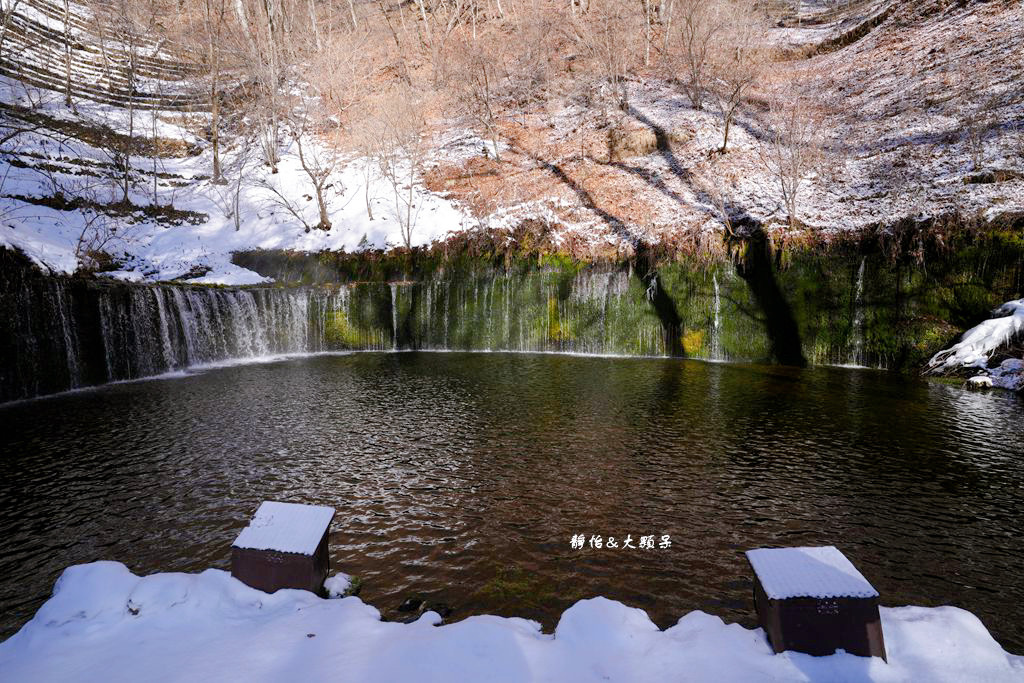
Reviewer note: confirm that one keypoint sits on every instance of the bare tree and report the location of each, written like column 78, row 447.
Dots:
column 648, row 24
column 67, row 53
column 317, row 158
column 700, row 23
column 215, row 15
column 363, row 136
column 397, row 148
column 737, row 62
column 9, row 7
column 480, row 86
column 263, row 28
column 604, row 33
column 125, row 24
column 793, row 147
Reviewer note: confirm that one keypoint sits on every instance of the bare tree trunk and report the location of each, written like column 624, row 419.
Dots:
column 213, row 29
column 131, row 123
column 156, row 198
column 647, row 32
column 67, row 53
column 273, row 78
column 667, row 22
column 215, row 133
column 5, row 25
column 314, row 26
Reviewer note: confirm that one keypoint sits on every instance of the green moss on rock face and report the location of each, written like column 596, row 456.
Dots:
column 339, row 332
column 859, row 301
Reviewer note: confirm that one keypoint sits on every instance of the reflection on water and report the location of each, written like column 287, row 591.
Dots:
column 463, row 477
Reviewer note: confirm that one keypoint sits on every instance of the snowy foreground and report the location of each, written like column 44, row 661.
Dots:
column 105, row 623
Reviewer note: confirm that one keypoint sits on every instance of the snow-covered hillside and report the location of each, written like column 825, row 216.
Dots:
column 62, row 174
column 208, row 222
column 917, row 108
column 920, row 117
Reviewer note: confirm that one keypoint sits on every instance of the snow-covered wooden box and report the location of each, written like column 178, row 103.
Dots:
column 813, row 600
column 284, row 546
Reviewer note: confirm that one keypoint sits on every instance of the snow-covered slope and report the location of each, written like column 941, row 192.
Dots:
column 104, row 623
column 62, row 179
column 921, row 116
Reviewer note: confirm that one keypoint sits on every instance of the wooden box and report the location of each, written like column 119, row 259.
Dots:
column 284, row 546
column 813, row 600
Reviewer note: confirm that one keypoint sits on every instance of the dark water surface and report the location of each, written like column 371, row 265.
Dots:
column 463, row 478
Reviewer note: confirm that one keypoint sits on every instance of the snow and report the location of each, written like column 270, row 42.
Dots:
column 338, row 584
column 48, row 161
column 286, row 528
column 895, row 112
column 151, row 251
column 977, row 344
column 1009, row 375
column 819, row 572
column 105, row 623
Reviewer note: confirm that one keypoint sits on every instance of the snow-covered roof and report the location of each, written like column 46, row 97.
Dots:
column 820, row 572
column 286, row 528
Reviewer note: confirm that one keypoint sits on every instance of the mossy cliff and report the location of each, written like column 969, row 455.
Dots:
column 881, row 300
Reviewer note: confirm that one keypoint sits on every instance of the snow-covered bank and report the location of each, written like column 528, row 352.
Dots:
column 105, row 623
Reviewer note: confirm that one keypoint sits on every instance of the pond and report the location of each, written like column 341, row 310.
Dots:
column 462, row 478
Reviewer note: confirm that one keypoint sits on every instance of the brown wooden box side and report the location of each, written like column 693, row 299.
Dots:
column 270, row 570
column 820, row 626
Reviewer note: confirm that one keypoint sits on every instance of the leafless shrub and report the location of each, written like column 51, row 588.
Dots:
column 98, row 233
column 738, row 61
column 606, row 33
column 396, row 146
column 228, row 192
column 699, row 24
column 977, row 111
column 718, row 181
column 480, row 86
column 793, row 148
column 525, row 64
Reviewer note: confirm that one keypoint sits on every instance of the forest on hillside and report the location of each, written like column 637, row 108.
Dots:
column 672, row 121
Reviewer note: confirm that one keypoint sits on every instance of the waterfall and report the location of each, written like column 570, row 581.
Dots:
column 857, row 349
column 716, row 337
column 394, row 315
column 68, row 333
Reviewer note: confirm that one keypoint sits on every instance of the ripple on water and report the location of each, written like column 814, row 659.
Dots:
column 463, row 477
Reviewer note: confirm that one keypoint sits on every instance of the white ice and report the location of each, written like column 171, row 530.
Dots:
column 977, row 344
